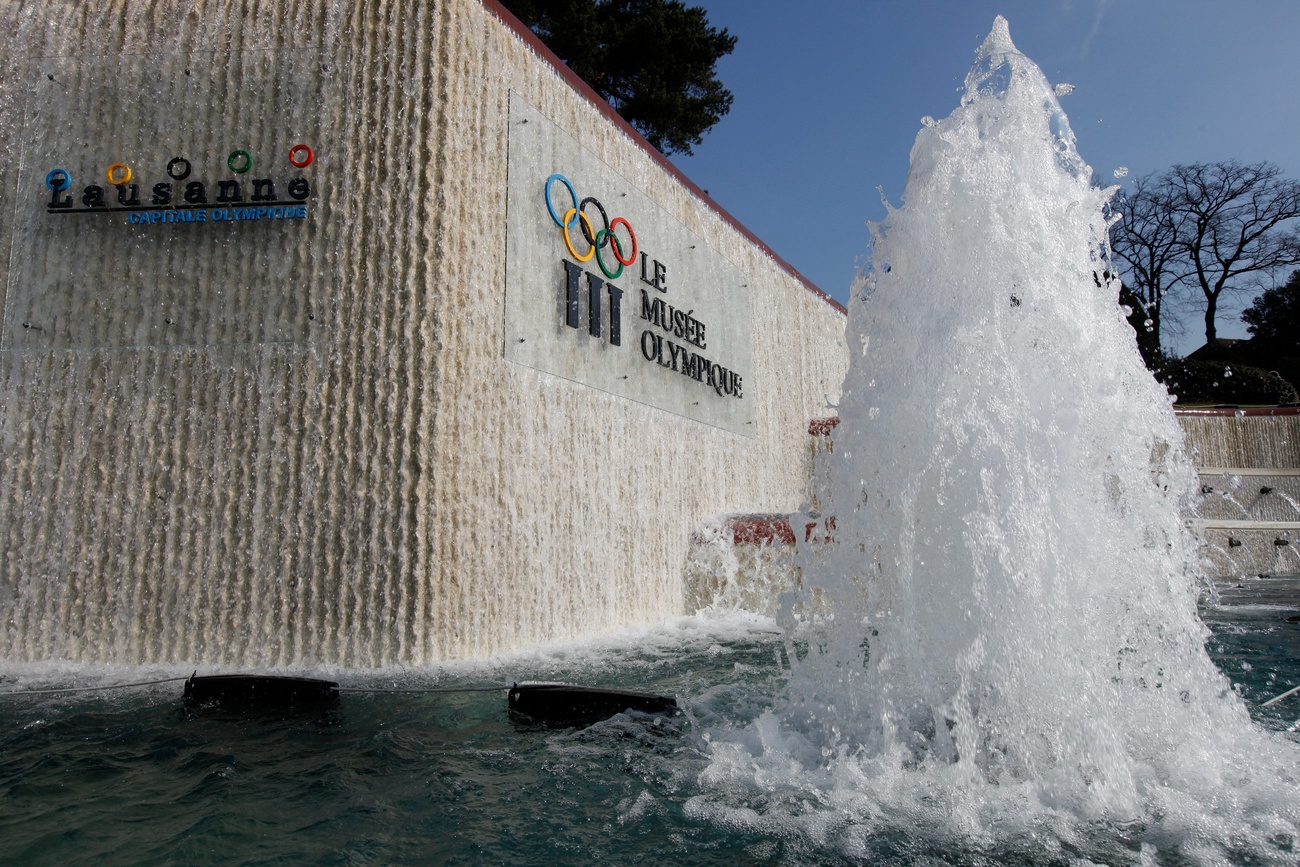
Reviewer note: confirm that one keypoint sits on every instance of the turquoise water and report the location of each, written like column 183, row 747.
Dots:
column 129, row 777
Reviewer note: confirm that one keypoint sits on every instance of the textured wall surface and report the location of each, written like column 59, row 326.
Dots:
column 385, row 487
column 1249, row 511
column 1224, row 440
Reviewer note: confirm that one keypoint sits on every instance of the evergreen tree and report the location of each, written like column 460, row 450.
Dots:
column 651, row 60
column 1274, row 317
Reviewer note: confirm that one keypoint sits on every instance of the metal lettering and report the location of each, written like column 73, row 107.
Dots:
column 572, row 273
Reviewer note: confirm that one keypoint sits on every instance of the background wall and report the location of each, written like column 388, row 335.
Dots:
column 379, row 485
column 1249, row 511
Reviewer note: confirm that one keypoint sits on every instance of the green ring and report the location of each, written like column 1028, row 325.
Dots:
column 618, row 253
column 234, row 155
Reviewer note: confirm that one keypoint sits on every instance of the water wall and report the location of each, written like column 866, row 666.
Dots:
column 1248, row 514
column 316, row 426
column 1264, row 437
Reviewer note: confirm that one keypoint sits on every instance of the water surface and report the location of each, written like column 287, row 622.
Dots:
column 129, row 777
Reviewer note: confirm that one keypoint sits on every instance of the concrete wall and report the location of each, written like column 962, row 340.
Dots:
column 324, row 457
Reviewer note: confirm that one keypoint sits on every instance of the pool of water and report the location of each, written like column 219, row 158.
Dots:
column 130, row 777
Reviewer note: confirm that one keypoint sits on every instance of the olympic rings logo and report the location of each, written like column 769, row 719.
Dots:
column 239, row 162
column 596, row 239
column 174, row 192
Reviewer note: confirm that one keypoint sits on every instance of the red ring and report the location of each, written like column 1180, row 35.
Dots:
column 298, row 148
column 632, row 258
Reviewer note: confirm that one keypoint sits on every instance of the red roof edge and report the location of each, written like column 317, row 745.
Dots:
column 520, row 30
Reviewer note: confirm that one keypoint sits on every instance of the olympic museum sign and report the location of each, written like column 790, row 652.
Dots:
column 618, row 296
column 353, row 334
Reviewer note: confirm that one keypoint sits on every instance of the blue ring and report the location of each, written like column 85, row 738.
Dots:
column 49, row 179
column 554, row 216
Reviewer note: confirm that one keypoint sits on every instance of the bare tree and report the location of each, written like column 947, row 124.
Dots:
column 1145, row 241
column 1233, row 219
column 1209, row 229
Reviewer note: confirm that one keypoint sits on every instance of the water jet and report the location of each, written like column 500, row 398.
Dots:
column 1004, row 634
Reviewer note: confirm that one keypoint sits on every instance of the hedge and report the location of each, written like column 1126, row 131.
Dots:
column 1223, row 382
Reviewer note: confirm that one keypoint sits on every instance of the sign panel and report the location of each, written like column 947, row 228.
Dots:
column 172, row 200
column 605, row 288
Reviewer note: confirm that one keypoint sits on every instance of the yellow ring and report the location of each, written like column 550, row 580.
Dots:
column 568, row 242
column 115, row 168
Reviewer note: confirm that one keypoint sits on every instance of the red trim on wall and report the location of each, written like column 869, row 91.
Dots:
column 761, row 530
column 770, row 529
column 1247, row 411
column 822, row 427
column 603, row 107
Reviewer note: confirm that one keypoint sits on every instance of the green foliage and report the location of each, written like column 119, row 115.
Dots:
column 1224, row 382
column 651, row 60
column 1274, row 317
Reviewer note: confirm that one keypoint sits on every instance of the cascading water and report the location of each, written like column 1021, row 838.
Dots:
column 1003, row 649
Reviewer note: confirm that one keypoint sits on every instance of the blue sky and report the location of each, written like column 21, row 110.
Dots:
column 829, row 97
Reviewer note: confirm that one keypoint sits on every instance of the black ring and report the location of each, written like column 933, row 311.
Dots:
column 586, row 227
column 176, row 162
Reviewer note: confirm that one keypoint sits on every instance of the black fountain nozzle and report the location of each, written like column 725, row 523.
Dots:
column 1234, row 543
column 562, row 704
column 1266, row 490
column 1279, row 541
column 260, row 693
column 1206, row 489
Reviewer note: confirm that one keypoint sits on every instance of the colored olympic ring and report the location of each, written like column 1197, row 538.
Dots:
column 242, row 158
column 297, row 160
column 591, row 200
column 618, row 248
column 118, row 173
column 550, row 207
column 601, row 236
column 58, row 180
column 179, row 169
column 597, row 239
column 568, row 241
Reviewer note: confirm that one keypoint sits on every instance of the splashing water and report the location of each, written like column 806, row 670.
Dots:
column 1003, row 648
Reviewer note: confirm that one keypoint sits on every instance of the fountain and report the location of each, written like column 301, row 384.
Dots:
column 998, row 660
column 1003, row 646
column 252, row 414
